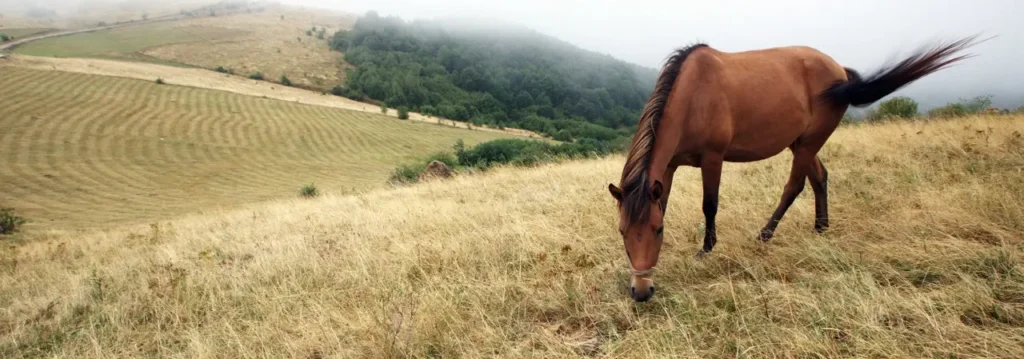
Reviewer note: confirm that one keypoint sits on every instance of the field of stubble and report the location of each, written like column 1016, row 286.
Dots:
column 925, row 258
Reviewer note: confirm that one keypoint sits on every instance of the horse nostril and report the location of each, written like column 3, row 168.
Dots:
column 652, row 290
column 632, row 291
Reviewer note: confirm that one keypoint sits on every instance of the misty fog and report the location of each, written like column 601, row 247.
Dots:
column 863, row 35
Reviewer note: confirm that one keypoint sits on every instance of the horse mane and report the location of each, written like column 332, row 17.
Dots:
column 634, row 183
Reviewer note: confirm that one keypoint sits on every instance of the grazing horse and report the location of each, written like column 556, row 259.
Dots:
column 710, row 107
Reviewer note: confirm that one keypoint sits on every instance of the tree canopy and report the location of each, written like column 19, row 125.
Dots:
column 493, row 74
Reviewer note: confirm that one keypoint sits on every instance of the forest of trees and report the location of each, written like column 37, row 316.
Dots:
column 497, row 75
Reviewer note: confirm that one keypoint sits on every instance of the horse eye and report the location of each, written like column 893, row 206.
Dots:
column 661, row 229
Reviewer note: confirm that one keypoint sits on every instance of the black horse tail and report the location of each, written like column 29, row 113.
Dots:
column 859, row 92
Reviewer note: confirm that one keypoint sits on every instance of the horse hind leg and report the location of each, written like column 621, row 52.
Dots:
column 797, row 179
column 819, row 183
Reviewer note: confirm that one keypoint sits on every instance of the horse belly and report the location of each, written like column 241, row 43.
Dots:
column 764, row 140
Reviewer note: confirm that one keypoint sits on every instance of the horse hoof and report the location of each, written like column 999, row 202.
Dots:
column 766, row 235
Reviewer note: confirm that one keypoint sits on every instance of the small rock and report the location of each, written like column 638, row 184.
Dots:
column 436, row 169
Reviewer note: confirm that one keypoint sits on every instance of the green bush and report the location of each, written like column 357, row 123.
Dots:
column 948, row 111
column 384, row 107
column 403, row 113
column 963, row 107
column 900, row 107
column 224, row 70
column 9, row 223
column 285, row 81
column 339, row 90
column 256, row 76
column 428, row 110
column 309, row 191
column 4, row 37
column 159, row 81
column 309, row 33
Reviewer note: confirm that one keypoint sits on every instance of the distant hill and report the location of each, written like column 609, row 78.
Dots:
column 495, row 73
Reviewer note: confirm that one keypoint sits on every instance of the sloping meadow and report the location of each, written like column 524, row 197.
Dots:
column 924, row 259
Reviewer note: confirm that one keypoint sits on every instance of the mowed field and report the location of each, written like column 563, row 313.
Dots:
column 125, row 43
column 925, row 259
column 271, row 40
column 275, row 44
column 21, row 32
column 91, row 151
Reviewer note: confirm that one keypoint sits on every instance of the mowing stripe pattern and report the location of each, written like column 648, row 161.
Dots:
column 85, row 151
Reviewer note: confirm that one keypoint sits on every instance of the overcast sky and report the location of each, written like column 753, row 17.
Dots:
column 861, row 34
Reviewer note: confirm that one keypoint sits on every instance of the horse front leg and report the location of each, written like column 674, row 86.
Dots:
column 711, row 176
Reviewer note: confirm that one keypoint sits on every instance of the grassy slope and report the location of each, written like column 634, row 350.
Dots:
column 125, row 43
column 83, row 150
column 22, row 32
column 272, row 45
column 925, row 259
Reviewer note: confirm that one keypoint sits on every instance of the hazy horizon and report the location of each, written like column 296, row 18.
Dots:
column 864, row 35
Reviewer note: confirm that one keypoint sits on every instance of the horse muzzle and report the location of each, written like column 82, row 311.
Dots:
column 641, row 285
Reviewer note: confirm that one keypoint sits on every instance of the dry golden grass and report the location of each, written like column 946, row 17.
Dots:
column 272, row 45
column 91, row 151
column 925, row 259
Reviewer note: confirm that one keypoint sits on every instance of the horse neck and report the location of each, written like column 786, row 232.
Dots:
column 666, row 146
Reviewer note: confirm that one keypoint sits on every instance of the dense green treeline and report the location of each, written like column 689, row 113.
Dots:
column 497, row 75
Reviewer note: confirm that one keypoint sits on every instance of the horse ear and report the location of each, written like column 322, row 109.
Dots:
column 656, row 191
column 616, row 192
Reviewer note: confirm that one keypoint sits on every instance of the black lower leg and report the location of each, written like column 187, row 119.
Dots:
column 710, row 210
column 711, row 176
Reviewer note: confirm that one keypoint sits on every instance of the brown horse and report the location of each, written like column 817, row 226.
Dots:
column 710, row 107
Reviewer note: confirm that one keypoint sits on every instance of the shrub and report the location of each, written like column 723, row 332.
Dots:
column 256, row 76
column 338, row 90
column 900, row 106
column 309, row 191
column 516, row 152
column 224, row 70
column 309, row 33
column 9, row 223
column 428, row 110
column 4, row 38
column 403, row 113
column 159, row 81
column 976, row 105
column 384, row 107
column 948, row 111
column 285, row 81
column 320, row 35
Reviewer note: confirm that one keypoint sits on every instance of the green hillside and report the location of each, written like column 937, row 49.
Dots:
column 494, row 74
